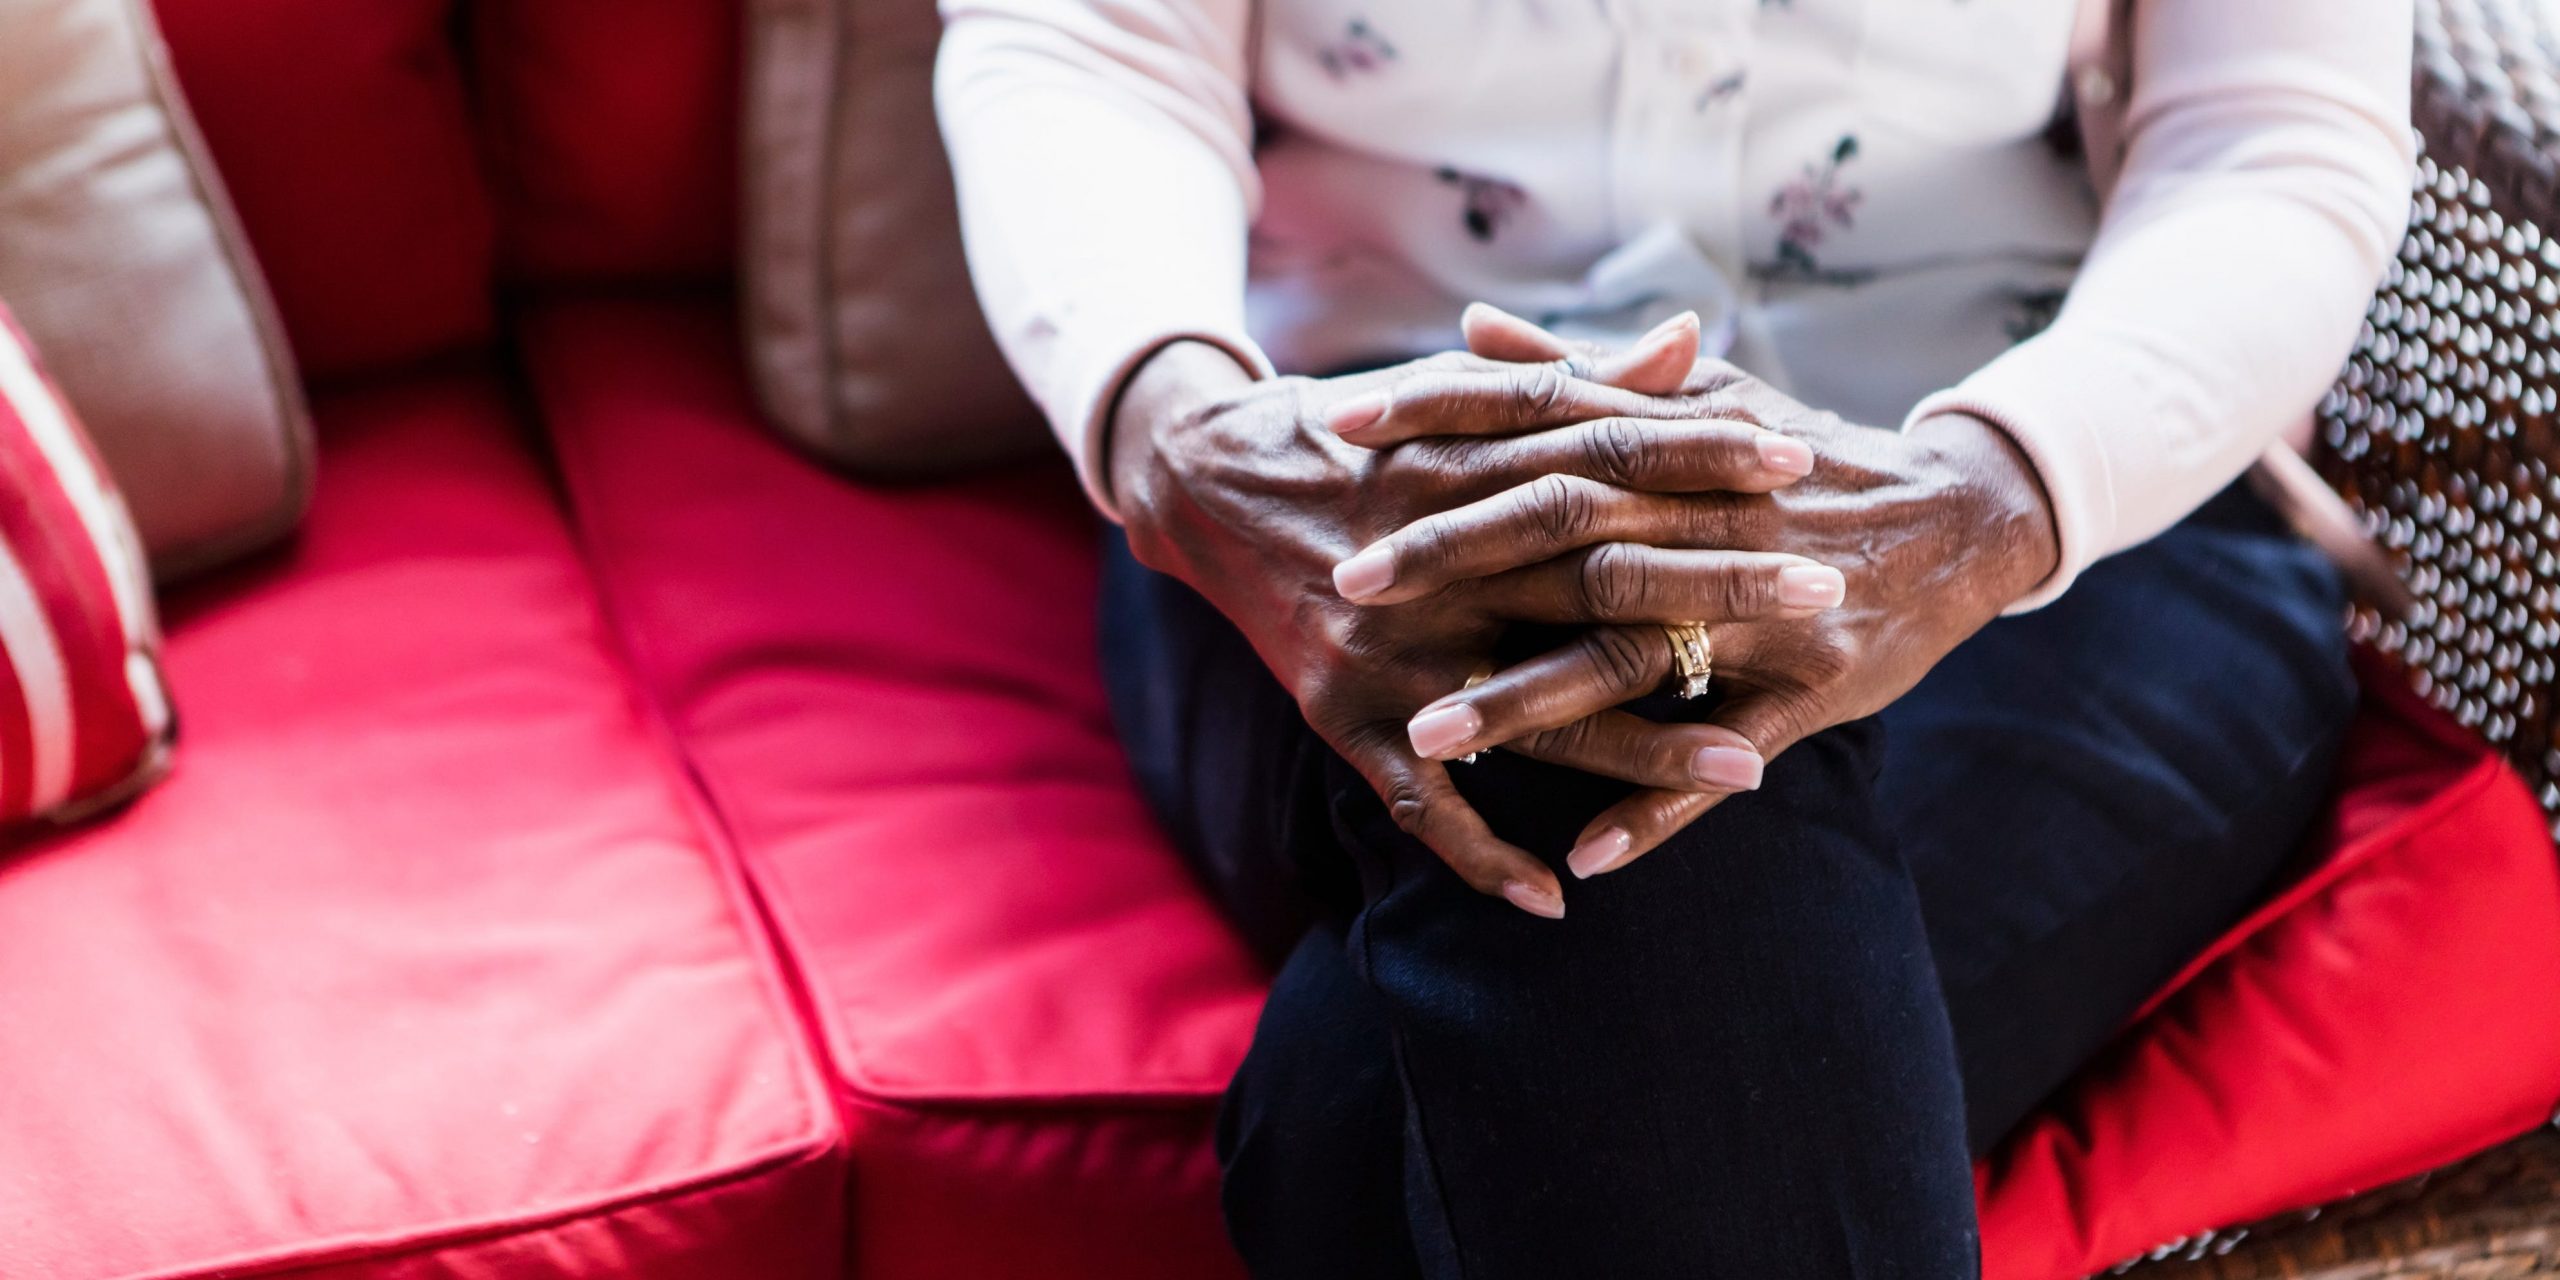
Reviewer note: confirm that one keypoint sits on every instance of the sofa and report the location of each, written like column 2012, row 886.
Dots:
column 608, row 843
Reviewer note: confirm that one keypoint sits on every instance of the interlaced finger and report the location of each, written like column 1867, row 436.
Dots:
column 1597, row 670
column 1656, row 364
column 1627, row 582
column 1427, row 806
column 1465, row 395
column 1636, row 826
column 1658, row 455
column 1565, row 550
column 1762, row 724
column 1630, row 748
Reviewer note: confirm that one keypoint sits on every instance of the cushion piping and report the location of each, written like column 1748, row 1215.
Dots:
column 355, row 1248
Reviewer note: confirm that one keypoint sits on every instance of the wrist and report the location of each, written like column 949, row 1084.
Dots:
column 1171, row 385
column 2015, row 541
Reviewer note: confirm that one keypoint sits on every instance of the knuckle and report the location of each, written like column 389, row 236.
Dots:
column 1410, row 807
column 1539, row 390
column 1341, row 635
column 1614, row 581
column 1829, row 658
column 1614, row 450
column 1562, row 510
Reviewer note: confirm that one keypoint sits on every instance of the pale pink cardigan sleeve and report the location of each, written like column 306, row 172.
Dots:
column 1103, row 151
column 2266, row 179
column 1103, row 154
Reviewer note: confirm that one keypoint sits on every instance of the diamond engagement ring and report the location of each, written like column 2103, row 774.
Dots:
column 1693, row 656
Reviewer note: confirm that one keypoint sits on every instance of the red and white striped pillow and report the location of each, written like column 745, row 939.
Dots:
column 84, row 716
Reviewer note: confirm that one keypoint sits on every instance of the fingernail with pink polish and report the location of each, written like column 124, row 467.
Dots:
column 1443, row 731
column 1687, row 320
column 1487, row 313
column 1811, row 586
column 1785, row 455
column 1665, row 335
column 1356, row 412
column 1532, row 899
column 1599, row 852
column 1366, row 574
column 1726, row 768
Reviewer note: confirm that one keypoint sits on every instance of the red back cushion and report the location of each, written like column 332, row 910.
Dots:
column 611, row 129
column 343, row 131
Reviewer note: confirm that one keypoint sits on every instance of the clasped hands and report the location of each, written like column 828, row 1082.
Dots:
column 1373, row 536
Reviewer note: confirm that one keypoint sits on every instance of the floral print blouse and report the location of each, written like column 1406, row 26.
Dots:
column 1864, row 199
column 1874, row 204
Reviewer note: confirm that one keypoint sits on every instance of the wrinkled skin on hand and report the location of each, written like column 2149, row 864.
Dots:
column 1934, row 531
column 1533, row 482
column 1248, row 492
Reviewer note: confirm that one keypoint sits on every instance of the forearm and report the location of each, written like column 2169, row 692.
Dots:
column 2266, row 182
column 1101, row 152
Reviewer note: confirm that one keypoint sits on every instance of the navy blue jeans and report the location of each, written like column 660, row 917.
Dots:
column 1768, row 1049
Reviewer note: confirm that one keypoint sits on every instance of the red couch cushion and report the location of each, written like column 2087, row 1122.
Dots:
column 891, row 699
column 343, row 134
column 419, row 964
column 2394, row 1010
column 611, row 128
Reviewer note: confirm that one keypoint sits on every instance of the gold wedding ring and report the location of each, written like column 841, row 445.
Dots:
column 1693, row 656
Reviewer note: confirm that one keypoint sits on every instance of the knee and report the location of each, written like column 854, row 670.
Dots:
column 1311, row 1132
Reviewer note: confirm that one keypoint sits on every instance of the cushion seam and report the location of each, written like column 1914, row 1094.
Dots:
column 780, row 1158
column 760, row 922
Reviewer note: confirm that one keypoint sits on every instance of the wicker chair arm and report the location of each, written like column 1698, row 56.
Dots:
column 2444, row 431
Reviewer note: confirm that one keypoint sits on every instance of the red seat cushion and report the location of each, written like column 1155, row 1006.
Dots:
column 419, row 964
column 891, row 698
column 2396, row 1009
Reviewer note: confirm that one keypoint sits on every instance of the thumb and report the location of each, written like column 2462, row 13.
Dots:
column 1497, row 334
column 1658, row 364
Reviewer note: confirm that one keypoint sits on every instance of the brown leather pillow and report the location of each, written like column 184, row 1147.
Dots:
column 865, row 338
column 120, row 256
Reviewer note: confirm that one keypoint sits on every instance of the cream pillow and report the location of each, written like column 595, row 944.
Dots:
column 119, row 254
column 865, row 338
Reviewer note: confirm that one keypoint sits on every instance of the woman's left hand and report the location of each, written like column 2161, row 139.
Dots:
column 1934, row 532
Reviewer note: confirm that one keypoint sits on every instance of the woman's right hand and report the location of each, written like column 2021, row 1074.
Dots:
column 1245, row 491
